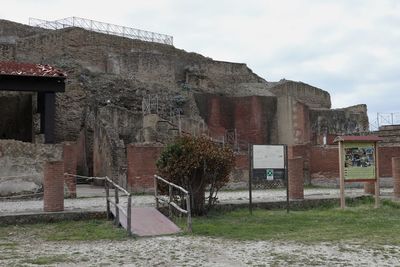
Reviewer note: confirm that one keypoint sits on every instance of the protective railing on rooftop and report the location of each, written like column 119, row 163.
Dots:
column 102, row 27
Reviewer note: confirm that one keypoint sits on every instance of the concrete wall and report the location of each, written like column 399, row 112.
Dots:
column 21, row 165
column 293, row 121
column 310, row 95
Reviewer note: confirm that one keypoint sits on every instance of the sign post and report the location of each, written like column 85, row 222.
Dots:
column 267, row 163
column 358, row 162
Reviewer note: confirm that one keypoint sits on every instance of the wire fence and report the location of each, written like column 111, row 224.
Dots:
column 382, row 119
column 102, row 27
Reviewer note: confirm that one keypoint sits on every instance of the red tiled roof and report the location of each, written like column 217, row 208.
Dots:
column 355, row 138
column 29, row 69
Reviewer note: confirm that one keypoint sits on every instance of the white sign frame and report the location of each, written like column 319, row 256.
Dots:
column 268, row 157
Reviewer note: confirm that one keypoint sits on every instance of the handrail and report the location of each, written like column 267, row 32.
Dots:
column 118, row 207
column 115, row 203
column 171, row 184
column 117, row 186
column 170, row 201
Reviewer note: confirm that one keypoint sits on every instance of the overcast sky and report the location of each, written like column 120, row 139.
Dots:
column 351, row 48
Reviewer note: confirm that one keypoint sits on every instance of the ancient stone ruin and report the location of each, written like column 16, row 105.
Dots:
column 126, row 98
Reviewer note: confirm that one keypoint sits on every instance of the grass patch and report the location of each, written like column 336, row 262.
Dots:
column 10, row 245
column 68, row 230
column 360, row 221
column 46, row 260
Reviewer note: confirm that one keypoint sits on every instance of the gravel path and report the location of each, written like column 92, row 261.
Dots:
column 97, row 203
column 195, row 251
column 182, row 250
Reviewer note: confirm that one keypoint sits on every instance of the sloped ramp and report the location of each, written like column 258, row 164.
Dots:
column 147, row 221
column 151, row 222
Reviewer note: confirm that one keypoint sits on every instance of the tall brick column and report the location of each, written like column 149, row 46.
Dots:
column 296, row 178
column 53, row 183
column 396, row 176
column 369, row 187
column 70, row 165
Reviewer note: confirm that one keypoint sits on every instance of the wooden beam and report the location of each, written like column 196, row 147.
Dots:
column 32, row 83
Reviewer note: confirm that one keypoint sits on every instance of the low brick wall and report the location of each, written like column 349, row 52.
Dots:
column 53, row 195
column 396, row 176
column 142, row 166
column 386, row 153
column 296, row 178
column 324, row 162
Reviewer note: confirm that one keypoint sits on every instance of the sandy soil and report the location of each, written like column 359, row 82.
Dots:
column 193, row 251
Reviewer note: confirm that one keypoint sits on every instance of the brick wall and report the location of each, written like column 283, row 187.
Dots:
column 303, row 151
column 385, row 159
column 53, row 195
column 253, row 117
column 324, row 162
column 296, row 178
column 142, row 166
column 301, row 123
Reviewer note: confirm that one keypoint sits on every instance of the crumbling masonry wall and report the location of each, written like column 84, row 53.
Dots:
column 21, row 165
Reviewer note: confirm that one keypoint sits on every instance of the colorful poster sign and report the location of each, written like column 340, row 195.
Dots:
column 359, row 161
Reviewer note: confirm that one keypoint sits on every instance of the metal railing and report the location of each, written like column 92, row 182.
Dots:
column 118, row 207
column 170, row 200
column 102, row 27
column 108, row 183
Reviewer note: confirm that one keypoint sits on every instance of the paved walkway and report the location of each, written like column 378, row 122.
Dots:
column 92, row 198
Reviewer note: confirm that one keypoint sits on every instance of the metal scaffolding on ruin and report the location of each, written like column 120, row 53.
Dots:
column 102, row 27
column 383, row 119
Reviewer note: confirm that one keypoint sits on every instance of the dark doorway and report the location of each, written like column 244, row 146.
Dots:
column 16, row 116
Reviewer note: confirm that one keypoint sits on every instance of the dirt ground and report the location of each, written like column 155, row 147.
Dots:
column 17, row 250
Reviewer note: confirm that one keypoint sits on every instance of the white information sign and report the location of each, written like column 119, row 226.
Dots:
column 268, row 157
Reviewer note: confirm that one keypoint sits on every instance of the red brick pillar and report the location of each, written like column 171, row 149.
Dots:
column 70, row 165
column 296, row 178
column 53, row 183
column 396, row 176
column 369, row 187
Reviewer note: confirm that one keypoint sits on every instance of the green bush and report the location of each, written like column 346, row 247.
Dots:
column 197, row 164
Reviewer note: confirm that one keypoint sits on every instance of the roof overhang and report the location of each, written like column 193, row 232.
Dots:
column 358, row 139
column 31, row 83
